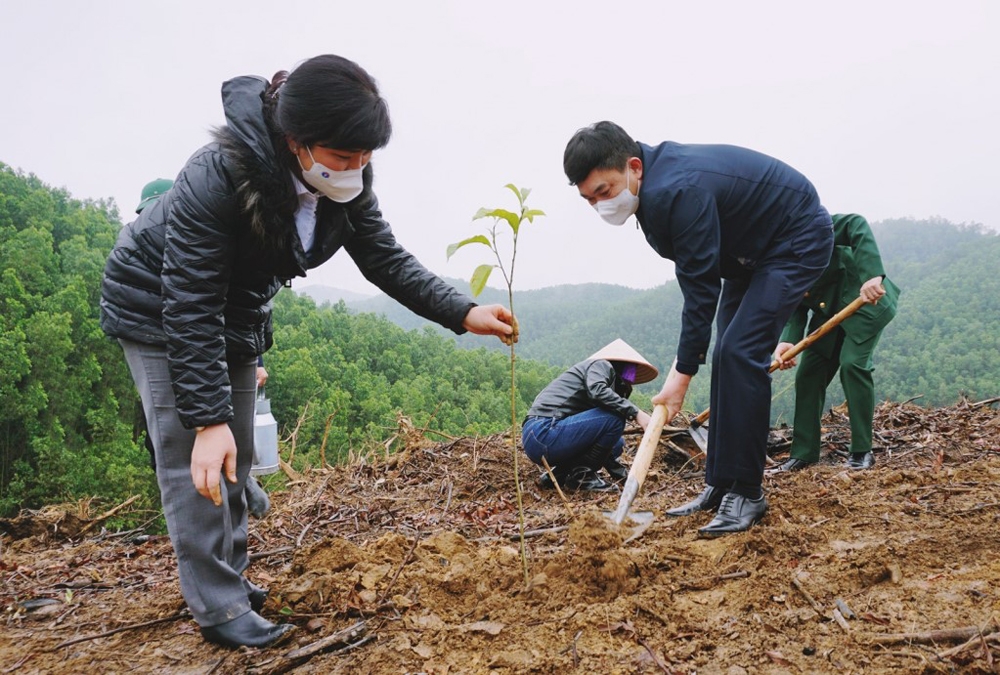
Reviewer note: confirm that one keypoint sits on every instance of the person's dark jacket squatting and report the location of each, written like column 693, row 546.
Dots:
column 576, row 422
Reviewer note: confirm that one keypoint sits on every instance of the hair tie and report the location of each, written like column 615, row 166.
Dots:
column 277, row 82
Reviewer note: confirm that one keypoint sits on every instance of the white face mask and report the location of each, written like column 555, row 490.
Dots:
column 340, row 186
column 618, row 209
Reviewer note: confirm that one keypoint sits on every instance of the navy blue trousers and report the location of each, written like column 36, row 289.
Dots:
column 752, row 312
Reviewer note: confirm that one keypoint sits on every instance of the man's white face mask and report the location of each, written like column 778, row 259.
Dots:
column 619, row 208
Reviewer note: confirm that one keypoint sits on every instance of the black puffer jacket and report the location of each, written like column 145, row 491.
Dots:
column 196, row 271
column 587, row 385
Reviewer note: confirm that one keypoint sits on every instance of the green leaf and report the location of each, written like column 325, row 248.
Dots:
column 479, row 279
column 478, row 239
column 531, row 214
column 512, row 218
column 517, row 193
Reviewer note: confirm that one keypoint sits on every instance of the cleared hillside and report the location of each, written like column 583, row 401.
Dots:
column 890, row 570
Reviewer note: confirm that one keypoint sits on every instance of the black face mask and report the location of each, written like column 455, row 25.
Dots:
column 622, row 388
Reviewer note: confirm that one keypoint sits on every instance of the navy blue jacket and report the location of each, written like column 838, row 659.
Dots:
column 717, row 211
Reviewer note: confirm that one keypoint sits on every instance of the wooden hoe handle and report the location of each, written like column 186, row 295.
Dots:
column 799, row 347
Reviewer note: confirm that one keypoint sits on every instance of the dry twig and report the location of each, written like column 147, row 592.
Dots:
column 121, row 629
column 809, row 598
column 707, row 582
column 348, row 638
column 107, row 514
column 980, row 638
column 932, row 636
column 552, row 477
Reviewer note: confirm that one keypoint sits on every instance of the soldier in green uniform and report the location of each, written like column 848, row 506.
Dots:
column 855, row 268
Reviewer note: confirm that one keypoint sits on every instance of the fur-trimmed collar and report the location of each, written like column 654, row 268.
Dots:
column 264, row 190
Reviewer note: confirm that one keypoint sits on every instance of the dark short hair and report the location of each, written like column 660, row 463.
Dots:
column 603, row 145
column 332, row 101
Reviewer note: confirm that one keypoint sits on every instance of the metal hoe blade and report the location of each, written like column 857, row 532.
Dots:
column 700, row 436
column 637, row 520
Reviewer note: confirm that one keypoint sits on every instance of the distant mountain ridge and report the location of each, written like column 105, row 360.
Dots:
column 944, row 342
column 333, row 295
column 549, row 316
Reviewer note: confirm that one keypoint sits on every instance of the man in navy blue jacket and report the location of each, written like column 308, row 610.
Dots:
column 748, row 236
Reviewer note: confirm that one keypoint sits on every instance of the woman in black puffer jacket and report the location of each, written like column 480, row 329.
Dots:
column 187, row 291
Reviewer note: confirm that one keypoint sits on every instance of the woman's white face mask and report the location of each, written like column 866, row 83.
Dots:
column 619, row 208
column 340, row 186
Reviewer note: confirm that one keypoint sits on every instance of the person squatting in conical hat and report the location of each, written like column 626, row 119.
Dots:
column 577, row 421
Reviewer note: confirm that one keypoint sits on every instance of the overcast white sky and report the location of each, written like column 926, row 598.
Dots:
column 890, row 108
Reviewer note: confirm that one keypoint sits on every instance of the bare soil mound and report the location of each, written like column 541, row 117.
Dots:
column 414, row 565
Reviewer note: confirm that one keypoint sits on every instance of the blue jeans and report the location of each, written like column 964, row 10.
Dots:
column 562, row 441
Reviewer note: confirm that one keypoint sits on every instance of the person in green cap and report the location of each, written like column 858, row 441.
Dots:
column 855, row 269
column 152, row 191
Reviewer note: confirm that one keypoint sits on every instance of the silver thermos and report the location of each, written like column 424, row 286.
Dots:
column 265, row 438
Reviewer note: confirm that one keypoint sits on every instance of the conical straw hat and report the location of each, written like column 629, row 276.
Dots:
column 619, row 350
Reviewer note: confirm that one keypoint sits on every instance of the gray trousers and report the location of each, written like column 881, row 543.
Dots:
column 210, row 542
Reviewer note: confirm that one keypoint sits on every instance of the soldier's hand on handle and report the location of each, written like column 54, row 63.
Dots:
column 872, row 290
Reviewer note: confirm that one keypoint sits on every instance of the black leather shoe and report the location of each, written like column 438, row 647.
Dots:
column 736, row 514
column 583, row 479
column 617, row 470
column 790, row 464
column 257, row 597
column 708, row 500
column 861, row 461
column 250, row 630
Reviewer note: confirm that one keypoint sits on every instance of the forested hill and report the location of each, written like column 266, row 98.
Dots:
column 69, row 422
column 945, row 342
column 70, row 426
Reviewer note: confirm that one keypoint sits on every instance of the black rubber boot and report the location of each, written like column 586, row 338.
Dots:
column 258, row 503
column 256, row 595
column 861, row 460
column 544, row 481
column 595, row 458
column 585, row 479
column 617, row 470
